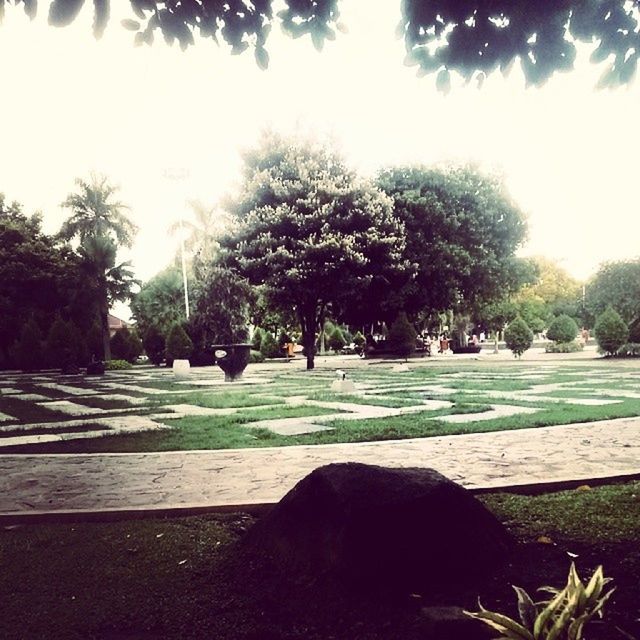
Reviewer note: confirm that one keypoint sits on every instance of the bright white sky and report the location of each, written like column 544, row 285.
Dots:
column 71, row 104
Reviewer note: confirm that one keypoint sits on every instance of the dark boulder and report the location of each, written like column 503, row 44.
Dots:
column 406, row 530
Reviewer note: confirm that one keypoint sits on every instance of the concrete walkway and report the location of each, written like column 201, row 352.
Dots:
column 60, row 484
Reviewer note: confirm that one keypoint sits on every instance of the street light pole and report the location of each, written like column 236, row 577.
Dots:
column 178, row 175
column 184, row 271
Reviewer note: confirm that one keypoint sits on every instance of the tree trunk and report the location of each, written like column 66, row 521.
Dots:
column 104, row 323
column 308, row 323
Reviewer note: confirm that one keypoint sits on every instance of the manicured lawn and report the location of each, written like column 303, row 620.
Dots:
column 24, row 411
column 170, row 578
column 220, row 400
column 473, row 386
column 227, row 432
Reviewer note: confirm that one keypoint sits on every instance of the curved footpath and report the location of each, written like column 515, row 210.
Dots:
column 57, row 486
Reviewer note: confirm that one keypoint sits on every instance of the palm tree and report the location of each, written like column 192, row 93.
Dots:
column 94, row 213
column 201, row 235
column 111, row 282
column 100, row 224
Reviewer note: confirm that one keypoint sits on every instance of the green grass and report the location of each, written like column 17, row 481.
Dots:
column 227, row 432
column 265, row 401
column 379, row 401
column 26, row 411
column 489, row 385
column 216, row 400
column 21, row 431
column 60, row 581
column 164, row 578
column 105, row 403
column 600, row 515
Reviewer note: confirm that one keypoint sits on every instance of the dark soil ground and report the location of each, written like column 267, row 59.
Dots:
column 188, row 577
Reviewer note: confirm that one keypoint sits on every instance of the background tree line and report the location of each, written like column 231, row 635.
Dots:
column 56, row 290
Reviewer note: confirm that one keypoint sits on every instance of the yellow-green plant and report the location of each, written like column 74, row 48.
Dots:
column 562, row 617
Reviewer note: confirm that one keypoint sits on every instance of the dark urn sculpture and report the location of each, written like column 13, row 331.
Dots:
column 232, row 359
column 472, row 348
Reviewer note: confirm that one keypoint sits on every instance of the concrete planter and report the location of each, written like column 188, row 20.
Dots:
column 181, row 368
column 232, row 359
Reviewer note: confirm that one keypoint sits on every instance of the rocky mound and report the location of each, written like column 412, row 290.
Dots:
column 405, row 530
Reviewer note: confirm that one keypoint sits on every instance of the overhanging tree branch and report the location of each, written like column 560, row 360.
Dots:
column 473, row 38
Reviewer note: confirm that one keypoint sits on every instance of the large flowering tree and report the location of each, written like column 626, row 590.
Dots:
column 309, row 230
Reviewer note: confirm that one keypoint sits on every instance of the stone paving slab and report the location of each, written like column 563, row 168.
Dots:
column 113, row 426
column 241, row 477
column 70, row 408
column 183, row 410
column 123, row 397
column 33, row 397
column 4, row 417
column 65, row 388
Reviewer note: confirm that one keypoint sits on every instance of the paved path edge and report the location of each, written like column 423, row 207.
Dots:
column 259, row 508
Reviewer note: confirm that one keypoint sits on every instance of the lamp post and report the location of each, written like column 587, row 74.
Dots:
column 177, row 175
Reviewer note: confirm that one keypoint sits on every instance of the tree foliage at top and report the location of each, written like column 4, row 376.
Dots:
column 462, row 232
column 309, row 230
column 470, row 37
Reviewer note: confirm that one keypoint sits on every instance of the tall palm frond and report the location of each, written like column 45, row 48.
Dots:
column 95, row 213
column 203, row 233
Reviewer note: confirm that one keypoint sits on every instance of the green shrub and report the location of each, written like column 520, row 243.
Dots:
column 27, row 353
column 256, row 340
column 630, row 350
column 402, row 336
column 179, row 344
column 336, row 340
column 117, row 365
column 518, row 336
column 563, row 329
column 269, row 347
column 63, row 345
column 561, row 617
column 255, row 356
column 95, row 341
column 611, row 331
column 359, row 340
column 154, row 345
column 564, row 347
column 125, row 345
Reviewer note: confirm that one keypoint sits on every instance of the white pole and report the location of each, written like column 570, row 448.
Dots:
column 177, row 175
column 184, row 271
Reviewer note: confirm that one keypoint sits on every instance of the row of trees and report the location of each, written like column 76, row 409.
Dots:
column 72, row 277
column 307, row 240
column 611, row 332
column 310, row 240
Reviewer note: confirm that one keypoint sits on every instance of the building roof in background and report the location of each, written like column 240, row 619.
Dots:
column 116, row 323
